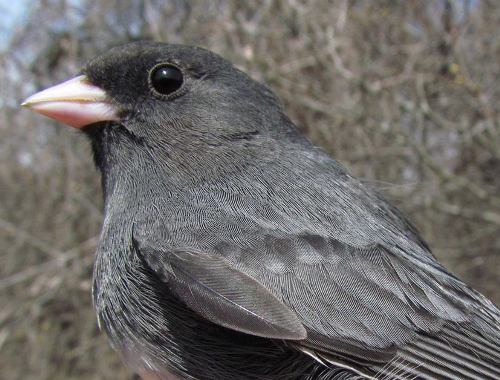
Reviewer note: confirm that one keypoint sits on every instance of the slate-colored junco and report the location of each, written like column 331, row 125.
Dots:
column 232, row 248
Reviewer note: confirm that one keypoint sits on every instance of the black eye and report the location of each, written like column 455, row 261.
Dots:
column 166, row 79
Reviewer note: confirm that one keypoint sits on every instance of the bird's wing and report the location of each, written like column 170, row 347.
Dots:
column 209, row 285
column 373, row 309
column 369, row 309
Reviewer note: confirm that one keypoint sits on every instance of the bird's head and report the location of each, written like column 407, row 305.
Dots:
column 170, row 105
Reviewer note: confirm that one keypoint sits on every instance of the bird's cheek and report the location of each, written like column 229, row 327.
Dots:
column 75, row 102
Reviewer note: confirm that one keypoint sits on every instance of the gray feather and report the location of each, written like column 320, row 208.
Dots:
column 224, row 295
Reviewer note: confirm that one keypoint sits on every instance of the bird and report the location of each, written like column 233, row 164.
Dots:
column 234, row 248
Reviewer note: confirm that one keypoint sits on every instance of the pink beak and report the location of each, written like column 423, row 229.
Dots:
column 75, row 102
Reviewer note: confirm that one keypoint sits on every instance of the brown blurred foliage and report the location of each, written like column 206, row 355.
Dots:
column 404, row 93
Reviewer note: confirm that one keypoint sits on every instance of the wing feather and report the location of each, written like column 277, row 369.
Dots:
column 224, row 295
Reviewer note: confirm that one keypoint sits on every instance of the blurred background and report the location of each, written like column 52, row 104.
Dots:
column 403, row 93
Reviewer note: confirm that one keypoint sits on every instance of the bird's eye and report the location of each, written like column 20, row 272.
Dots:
column 166, row 79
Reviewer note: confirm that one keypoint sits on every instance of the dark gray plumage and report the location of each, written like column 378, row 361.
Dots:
column 228, row 237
